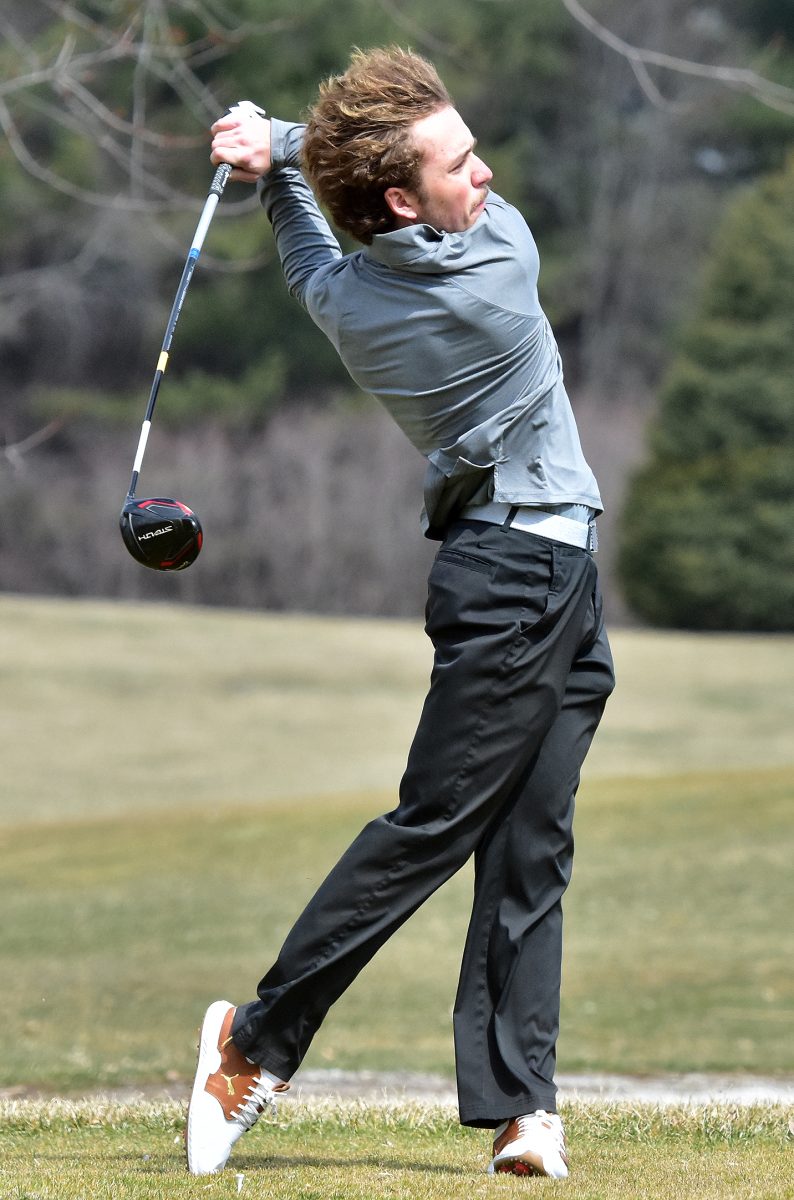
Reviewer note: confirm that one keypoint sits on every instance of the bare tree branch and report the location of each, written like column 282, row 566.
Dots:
column 15, row 453
column 111, row 120
column 57, row 72
column 423, row 36
column 739, row 79
column 72, row 74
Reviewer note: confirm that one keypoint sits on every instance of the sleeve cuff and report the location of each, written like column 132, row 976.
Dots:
column 286, row 139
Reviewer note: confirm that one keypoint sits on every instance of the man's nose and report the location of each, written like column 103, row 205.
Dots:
column 481, row 173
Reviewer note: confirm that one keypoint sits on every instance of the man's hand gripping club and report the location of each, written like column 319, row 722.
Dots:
column 241, row 137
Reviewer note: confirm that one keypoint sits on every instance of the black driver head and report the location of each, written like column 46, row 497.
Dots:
column 160, row 533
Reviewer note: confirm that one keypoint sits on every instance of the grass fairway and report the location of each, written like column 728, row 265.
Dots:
column 133, row 708
column 176, row 782
column 71, row 1152
column 118, row 931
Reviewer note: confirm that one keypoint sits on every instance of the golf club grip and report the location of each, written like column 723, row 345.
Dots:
column 220, row 179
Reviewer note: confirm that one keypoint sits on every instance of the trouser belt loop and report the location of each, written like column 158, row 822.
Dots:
column 508, row 521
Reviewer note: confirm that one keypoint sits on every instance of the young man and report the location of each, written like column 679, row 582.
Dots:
column 438, row 317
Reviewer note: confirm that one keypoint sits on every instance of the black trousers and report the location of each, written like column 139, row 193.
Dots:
column 521, row 673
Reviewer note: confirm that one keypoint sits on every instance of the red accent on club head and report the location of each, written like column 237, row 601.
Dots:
column 168, row 563
column 177, row 504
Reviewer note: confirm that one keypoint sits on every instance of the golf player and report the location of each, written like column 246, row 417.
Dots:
column 437, row 316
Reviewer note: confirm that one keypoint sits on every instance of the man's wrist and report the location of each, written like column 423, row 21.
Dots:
column 286, row 138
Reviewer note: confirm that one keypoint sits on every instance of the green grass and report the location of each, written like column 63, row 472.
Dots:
column 120, row 708
column 679, row 941
column 176, row 782
column 356, row 1152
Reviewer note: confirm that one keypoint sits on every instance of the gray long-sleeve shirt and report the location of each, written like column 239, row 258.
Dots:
column 447, row 332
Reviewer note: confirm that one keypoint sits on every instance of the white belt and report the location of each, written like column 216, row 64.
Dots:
column 535, row 520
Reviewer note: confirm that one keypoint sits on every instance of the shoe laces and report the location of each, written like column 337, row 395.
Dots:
column 551, row 1123
column 258, row 1097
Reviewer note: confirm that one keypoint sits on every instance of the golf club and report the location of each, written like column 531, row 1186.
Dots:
column 159, row 532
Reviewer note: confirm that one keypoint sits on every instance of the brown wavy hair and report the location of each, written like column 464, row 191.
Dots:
column 358, row 142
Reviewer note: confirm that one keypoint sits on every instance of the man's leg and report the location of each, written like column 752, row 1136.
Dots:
column 507, row 1009
column 508, row 614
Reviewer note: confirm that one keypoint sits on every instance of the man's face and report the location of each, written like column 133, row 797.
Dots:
column 453, row 180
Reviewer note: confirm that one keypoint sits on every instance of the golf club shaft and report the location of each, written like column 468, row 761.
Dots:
column 219, row 181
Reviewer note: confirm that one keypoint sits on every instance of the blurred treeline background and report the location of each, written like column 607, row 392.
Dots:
column 647, row 142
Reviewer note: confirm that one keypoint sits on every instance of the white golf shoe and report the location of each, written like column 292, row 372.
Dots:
column 229, row 1094
column 531, row 1145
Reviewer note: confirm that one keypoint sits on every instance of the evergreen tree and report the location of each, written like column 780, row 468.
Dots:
column 708, row 532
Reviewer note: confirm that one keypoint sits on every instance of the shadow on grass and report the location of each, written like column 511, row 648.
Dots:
column 161, row 1163
column 273, row 1162
column 161, row 1167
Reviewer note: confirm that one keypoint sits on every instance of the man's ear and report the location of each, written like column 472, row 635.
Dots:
column 403, row 203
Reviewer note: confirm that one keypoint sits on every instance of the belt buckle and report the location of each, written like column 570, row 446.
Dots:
column 592, row 537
